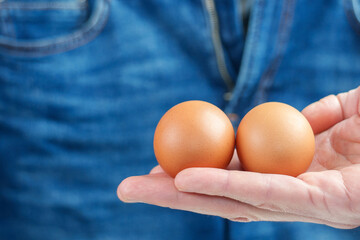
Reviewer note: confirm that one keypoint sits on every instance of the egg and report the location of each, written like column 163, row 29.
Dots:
column 193, row 134
column 275, row 138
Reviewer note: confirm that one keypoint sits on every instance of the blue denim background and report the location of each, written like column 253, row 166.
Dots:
column 82, row 88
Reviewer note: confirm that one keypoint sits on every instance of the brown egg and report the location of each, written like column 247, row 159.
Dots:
column 275, row 138
column 193, row 134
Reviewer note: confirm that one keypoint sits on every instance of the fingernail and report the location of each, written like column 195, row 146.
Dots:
column 183, row 180
column 124, row 192
column 240, row 219
column 155, row 170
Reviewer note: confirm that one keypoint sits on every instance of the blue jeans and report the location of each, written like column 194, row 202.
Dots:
column 83, row 85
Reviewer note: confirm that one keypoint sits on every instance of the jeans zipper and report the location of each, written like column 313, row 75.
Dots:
column 219, row 51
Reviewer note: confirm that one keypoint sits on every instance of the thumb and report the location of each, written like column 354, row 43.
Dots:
column 323, row 114
column 332, row 109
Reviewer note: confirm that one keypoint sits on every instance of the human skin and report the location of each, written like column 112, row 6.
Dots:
column 327, row 193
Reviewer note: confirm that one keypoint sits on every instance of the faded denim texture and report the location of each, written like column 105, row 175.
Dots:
column 83, row 85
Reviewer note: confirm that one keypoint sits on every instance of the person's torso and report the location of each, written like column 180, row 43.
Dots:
column 82, row 89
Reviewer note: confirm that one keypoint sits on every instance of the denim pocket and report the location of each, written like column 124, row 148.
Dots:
column 39, row 28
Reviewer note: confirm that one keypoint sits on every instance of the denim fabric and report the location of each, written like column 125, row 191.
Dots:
column 83, row 85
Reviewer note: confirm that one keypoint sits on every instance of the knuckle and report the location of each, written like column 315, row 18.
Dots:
column 265, row 202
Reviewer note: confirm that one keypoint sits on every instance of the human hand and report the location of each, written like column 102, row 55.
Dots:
column 327, row 193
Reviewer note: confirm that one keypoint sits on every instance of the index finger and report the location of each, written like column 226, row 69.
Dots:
column 267, row 191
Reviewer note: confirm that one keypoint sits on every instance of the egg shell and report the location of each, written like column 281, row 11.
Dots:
column 193, row 134
column 275, row 138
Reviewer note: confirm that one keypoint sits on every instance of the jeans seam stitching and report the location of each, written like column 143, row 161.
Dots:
column 241, row 87
column 65, row 43
column 43, row 6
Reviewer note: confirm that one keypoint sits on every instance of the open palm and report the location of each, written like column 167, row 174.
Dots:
column 328, row 193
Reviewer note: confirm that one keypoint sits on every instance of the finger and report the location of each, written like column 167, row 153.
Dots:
column 156, row 169
column 260, row 190
column 350, row 102
column 267, row 191
column 161, row 191
column 332, row 109
column 320, row 196
column 323, row 114
column 345, row 139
